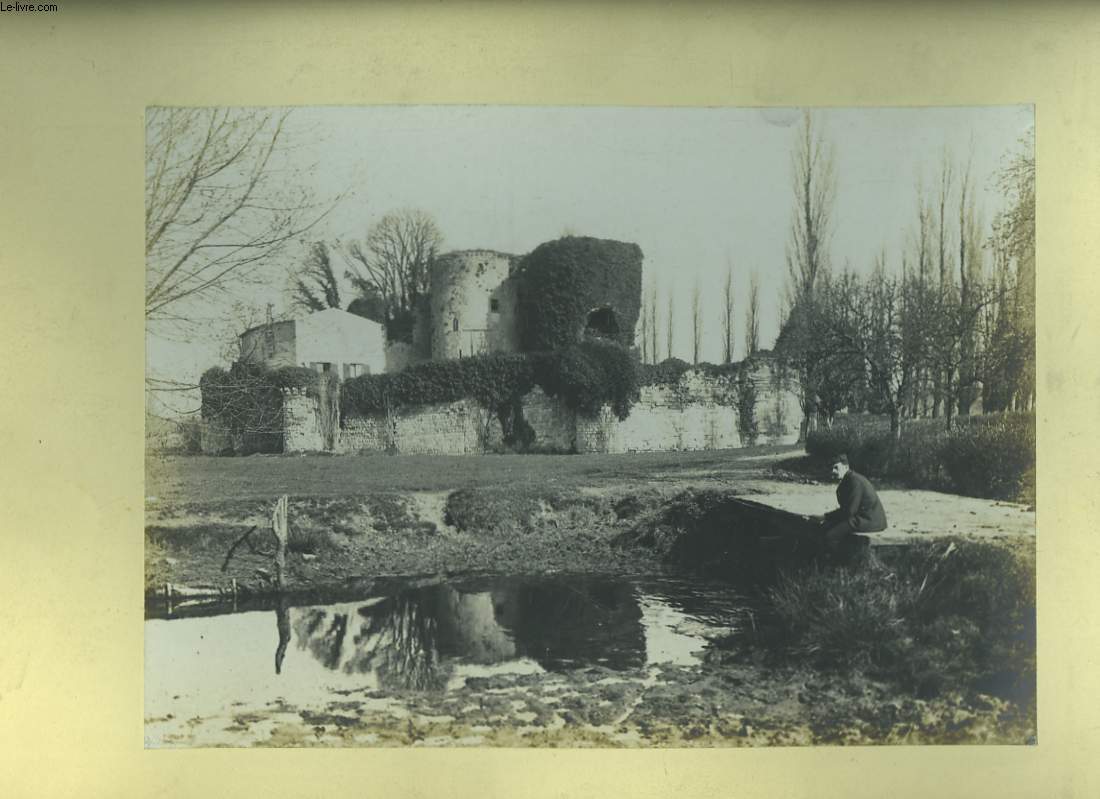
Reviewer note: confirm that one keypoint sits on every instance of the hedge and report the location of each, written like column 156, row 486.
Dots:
column 990, row 455
column 586, row 376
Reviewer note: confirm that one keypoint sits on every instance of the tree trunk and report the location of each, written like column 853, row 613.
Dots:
column 948, row 402
column 282, row 537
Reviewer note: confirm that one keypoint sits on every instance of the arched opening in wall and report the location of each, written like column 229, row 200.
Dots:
column 602, row 323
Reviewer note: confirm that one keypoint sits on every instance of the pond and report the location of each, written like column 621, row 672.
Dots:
column 410, row 639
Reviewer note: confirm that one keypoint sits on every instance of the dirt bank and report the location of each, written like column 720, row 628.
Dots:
column 519, row 527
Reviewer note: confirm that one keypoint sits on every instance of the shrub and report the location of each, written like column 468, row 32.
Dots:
column 992, row 459
column 308, row 541
column 589, row 376
column 666, row 373
column 482, row 510
column 747, row 425
column 493, row 380
column 931, row 616
column 295, row 377
column 248, row 402
column 987, row 456
column 586, row 376
column 840, row 617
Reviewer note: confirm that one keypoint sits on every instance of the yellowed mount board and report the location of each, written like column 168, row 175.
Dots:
column 76, row 83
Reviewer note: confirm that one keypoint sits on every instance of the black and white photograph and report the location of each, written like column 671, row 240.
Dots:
column 563, row 426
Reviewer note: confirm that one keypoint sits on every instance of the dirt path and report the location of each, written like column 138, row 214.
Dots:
column 910, row 511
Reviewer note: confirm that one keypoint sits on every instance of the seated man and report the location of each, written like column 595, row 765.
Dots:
column 860, row 510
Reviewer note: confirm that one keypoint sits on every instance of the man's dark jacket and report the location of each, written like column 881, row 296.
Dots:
column 859, row 504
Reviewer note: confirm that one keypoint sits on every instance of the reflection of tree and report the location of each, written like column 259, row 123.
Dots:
column 282, row 624
column 397, row 641
column 324, row 643
column 565, row 624
column 411, row 640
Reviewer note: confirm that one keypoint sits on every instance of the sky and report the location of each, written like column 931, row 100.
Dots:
column 698, row 189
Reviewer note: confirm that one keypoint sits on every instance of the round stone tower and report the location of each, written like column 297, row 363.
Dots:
column 472, row 304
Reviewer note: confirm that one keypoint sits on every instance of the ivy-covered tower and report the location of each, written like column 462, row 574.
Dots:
column 579, row 287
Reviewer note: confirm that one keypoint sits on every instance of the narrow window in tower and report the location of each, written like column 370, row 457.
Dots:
column 454, row 324
column 494, row 305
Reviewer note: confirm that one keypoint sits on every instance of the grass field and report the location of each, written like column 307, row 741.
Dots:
column 181, row 478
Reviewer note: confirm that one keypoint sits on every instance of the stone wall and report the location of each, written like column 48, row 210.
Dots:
column 698, row 413
column 452, row 428
column 778, row 410
column 555, row 426
column 301, row 423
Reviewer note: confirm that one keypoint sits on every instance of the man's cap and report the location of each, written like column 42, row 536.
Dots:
column 841, row 458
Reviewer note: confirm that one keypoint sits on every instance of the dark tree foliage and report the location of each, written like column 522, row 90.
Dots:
column 315, row 285
column 576, row 284
column 369, row 306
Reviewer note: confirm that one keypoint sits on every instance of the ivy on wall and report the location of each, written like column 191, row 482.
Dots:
column 568, row 284
column 585, row 376
column 247, row 401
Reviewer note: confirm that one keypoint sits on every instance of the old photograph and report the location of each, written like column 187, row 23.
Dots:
column 505, row 426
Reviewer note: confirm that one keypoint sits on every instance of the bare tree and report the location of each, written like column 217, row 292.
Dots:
column 221, row 203
column 670, row 321
column 1009, row 357
column 815, row 197
column 752, row 315
column 945, row 283
column 970, row 291
column 653, row 324
column 696, row 322
column 946, row 179
column 395, row 261
column 807, row 257
column 644, row 324
column 919, row 299
column 727, row 316
column 315, row 287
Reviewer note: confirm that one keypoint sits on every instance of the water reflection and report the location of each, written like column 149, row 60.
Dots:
column 436, row 638
column 412, row 639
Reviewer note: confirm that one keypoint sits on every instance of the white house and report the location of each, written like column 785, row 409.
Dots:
column 327, row 341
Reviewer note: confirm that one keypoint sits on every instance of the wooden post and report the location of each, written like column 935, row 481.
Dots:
column 279, row 527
